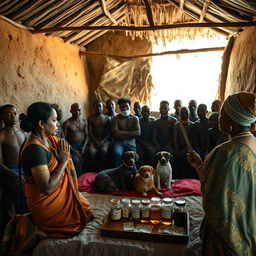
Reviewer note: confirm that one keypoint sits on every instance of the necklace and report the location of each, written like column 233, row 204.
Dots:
column 49, row 146
column 78, row 125
column 242, row 134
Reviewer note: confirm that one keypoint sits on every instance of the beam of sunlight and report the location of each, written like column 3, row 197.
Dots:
column 187, row 76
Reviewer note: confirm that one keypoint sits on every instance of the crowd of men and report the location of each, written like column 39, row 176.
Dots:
column 99, row 141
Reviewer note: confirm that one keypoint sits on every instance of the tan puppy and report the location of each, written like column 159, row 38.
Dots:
column 144, row 180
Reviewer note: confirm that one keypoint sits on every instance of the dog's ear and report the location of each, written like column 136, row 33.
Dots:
column 136, row 156
column 158, row 154
column 140, row 170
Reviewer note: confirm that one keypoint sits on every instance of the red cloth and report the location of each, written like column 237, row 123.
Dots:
column 179, row 187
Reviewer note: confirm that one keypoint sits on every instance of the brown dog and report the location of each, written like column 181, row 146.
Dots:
column 144, row 180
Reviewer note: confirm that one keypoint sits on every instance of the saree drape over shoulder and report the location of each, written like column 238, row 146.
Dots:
column 229, row 201
column 63, row 213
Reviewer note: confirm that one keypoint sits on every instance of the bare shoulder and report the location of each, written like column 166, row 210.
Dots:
column 116, row 118
column 84, row 121
column 66, row 122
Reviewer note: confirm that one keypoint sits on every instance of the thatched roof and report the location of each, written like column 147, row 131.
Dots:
column 75, row 20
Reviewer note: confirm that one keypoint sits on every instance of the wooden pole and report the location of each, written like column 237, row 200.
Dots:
column 149, row 13
column 130, row 28
column 183, row 51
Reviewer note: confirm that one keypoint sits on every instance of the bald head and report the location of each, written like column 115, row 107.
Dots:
column 216, row 105
column 75, row 110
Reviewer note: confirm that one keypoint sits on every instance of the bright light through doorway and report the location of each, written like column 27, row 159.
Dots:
column 187, row 76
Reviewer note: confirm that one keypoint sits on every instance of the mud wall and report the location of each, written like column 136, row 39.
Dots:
column 39, row 68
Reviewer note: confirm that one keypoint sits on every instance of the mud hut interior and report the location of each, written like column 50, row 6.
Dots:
column 76, row 51
column 80, row 50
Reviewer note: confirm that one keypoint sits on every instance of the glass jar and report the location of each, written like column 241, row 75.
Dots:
column 155, row 210
column 115, row 209
column 136, row 210
column 145, row 210
column 126, row 208
column 167, row 209
column 179, row 213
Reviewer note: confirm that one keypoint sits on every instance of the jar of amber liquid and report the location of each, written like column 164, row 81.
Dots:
column 145, row 211
column 167, row 209
column 155, row 210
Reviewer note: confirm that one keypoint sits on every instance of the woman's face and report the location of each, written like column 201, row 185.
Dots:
column 52, row 124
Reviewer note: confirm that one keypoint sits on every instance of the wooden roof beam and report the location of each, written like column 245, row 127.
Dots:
column 205, row 7
column 182, row 51
column 182, row 2
column 147, row 28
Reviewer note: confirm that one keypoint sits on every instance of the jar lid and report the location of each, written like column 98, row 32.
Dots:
column 126, row 200
column 135, row 201
column 115, row 201
column 180, row 202
column 156, row 200
column 145, row 201
column 167, row 200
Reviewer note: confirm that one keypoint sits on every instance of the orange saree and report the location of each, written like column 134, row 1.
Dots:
column 65, row 211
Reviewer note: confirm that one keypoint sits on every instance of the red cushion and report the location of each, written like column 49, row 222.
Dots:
column 179, row 187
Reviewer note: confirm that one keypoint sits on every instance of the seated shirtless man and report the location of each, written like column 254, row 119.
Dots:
column 125, row 128
column 111, row 108
column 75, row 131
column 12, row 139
column 99, row 134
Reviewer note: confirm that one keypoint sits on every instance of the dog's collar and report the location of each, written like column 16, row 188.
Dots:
column 163, row 164
column 127, row 166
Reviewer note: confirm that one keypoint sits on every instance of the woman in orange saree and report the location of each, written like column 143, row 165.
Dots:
column 58, row 209
column 51, row 188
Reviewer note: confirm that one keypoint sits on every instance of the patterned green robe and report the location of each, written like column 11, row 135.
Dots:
column 229, row 200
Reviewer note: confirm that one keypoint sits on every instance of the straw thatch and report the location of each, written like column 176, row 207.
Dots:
column 163, row 14
column 65, row 14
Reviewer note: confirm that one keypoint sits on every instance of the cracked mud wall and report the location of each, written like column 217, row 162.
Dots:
column 39, row 68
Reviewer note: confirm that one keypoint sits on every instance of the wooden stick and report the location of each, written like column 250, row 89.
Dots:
column 183, row 51
column 185, row 136
column 127, row 28
column 149, row 13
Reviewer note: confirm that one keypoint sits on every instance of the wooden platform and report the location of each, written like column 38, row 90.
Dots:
column 159, row 233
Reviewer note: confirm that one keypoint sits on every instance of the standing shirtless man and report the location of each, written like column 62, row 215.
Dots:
column 125, row 128
column 12, row 139
column 75, row 130
column 99, row 132
column 163, row 129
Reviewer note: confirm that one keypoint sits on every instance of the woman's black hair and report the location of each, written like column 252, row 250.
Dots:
column 36, row 112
